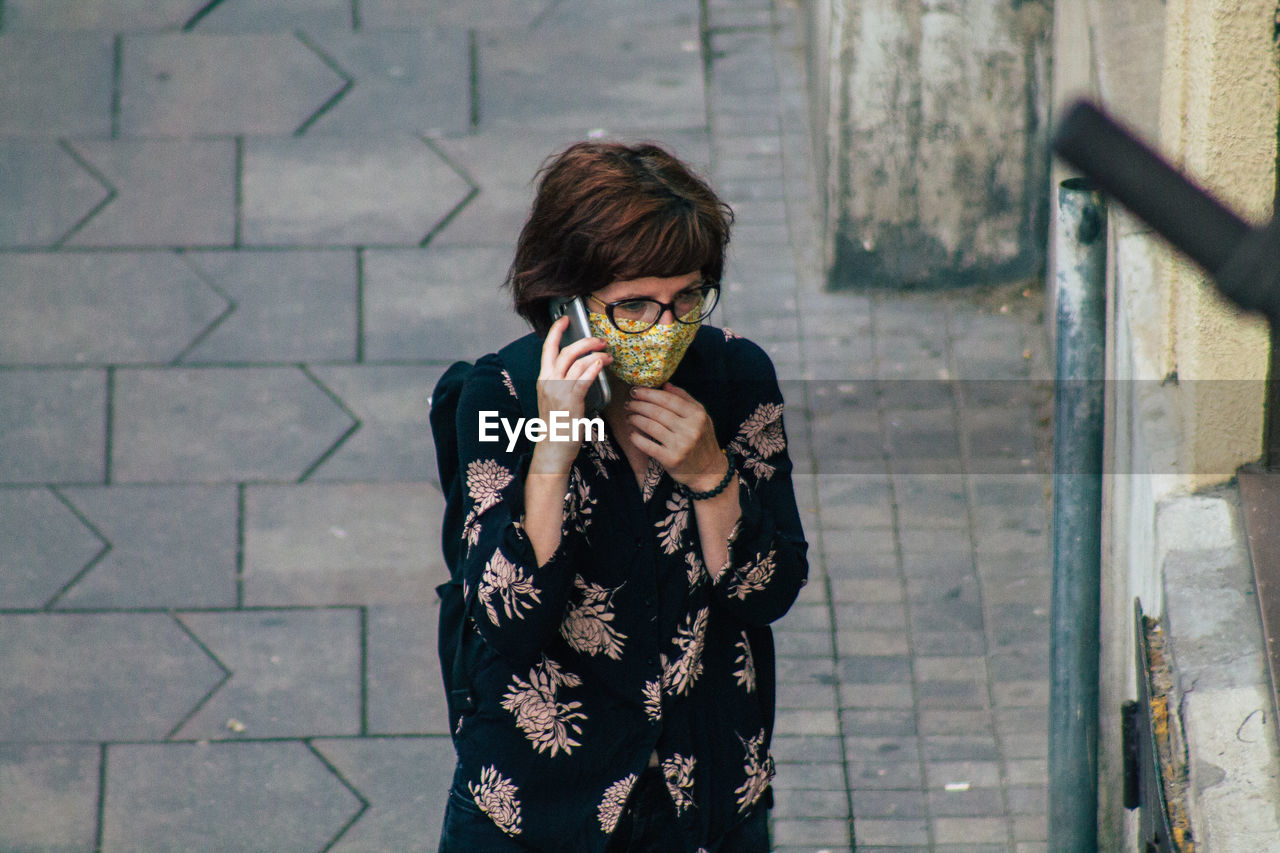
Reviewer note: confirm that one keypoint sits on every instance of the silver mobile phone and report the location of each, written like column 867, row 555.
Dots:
column 598, row 394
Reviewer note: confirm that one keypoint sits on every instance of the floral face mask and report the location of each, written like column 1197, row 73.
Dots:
column 645, row 358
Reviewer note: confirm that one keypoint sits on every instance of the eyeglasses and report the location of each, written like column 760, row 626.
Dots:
column 633, row 316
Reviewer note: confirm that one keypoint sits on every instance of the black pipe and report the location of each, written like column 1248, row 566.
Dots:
column 1244, row 261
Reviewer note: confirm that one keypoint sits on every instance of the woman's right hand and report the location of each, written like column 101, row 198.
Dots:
column 563, row 381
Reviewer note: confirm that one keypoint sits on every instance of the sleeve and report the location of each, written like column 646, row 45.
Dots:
column 516, row 604
column 768, row 561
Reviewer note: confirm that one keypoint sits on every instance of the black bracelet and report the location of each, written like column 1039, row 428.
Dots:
column 720, row 487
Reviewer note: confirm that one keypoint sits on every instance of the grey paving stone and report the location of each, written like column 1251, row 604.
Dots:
column 169, row 192
column 377, row 190
column 503, row 164
column 802, row 748
column 803, row 643
column 404, row 81
column 973, row 667
column 810, row 776
column 854, row 643
column 52, row 426
column 50, row 800
column 891, row 832
column 979, row 774
column 221, row 797
column 862, row 748
column 971, row 747
column 810, row 804
column 971, row 830
column 343, row 544
column 296, row 306
column 171, row 546
column 394, row 440
column 405, row 687
column 199, row 85
column 896, row 804
column 44, row 192
column 788, row 831
column 477, row 14
column 99, row 677
column 221, row 425
column 809, row 697
column 101, row 308
column 807, row 722
column 881, row 723
column 104, row 15
column 805, row 670
column 953, row 642
column 440, row 303
column 276, row 15
column 45, row 547
column 911, row 391
column 939, row 693
column 294, row 673
column 954, row 722
column 864, row 590
column 55, row 85
column 870, row 617
column 883, row 774
column 971, row 802
column 875, row 669
column 603, row 14
column 952, row 563
column 1020, row 663
column 1028, row 799
column 405, row 780
column 959, row 614
column 645, row 78
column 1028, row 771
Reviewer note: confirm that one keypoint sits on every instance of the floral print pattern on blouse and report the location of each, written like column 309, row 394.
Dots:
column 622, row 644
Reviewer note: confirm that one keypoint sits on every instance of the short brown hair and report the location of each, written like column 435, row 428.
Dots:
column 606, row 212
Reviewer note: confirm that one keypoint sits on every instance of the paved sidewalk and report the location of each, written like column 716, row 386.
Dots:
column 238, row 243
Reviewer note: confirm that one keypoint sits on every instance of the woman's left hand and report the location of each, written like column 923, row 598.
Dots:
column 673, row 428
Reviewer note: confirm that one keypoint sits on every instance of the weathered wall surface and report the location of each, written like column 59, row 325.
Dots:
column 935, row 114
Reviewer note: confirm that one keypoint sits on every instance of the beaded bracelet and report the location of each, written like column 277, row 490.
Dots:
column 719, row 487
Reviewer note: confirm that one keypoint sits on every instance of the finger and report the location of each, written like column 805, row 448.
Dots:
column 668, row 400
column 588, row 377
column 650, row 447
column 575, row 351
column 656, row 430
column 551, row 346
column 679, row 392
column 655, row 412
column 593, row 360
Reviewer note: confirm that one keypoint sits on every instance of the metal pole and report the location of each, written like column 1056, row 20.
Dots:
column 1081, row 266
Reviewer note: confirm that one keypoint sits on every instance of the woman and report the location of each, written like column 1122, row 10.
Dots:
column 620, row 589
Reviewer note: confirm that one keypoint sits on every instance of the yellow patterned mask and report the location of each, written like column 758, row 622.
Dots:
column 645, row 358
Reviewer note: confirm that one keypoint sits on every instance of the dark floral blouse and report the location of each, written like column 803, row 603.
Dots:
column 621, row 645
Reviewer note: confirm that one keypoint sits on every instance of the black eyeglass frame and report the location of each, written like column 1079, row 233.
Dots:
column 663, row 307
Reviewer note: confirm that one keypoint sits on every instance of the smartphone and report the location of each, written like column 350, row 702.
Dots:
column 598, row 395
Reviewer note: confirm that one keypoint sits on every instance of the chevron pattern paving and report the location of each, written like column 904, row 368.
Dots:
column 239, row 242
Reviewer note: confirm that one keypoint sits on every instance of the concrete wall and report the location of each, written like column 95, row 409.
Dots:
column 1199, row 79
column 935, row 115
